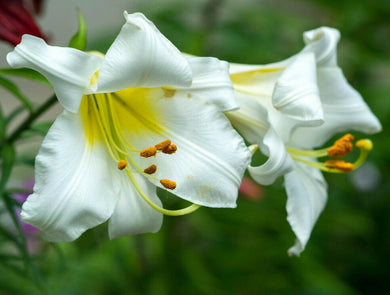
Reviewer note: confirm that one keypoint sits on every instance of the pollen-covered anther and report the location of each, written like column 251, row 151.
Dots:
column 151, row 169
column 341, row 147
column 169, row 184
column 339, row 165
column 122, row 164
column 170, row 149
column 148, row 152
column 162, row 145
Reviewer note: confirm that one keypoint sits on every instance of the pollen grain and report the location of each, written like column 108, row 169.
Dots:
column 169, row 92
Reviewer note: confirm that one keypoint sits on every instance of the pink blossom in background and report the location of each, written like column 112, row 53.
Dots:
column 251, row 190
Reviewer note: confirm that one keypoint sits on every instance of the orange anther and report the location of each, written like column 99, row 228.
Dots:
column 341, row 147
column 122, row 164
column 162, row 145
column 339, row 165
column 170, row 149
column 148, row 152
column 151, row 169
column 169, row 184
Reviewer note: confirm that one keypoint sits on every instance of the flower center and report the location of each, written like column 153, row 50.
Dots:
column 105, row 120
column 341, row 147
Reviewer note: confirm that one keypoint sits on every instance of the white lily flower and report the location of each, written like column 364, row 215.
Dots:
column 290, row 107
column 140, row 117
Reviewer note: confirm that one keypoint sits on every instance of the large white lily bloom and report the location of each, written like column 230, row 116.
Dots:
column 290, row 107
column 139, row 117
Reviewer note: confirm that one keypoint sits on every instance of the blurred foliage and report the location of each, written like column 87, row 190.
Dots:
column 243, row 251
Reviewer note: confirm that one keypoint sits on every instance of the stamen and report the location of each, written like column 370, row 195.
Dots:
column 162, row 145
column 151, row 169
column 339, row 165
column 341, row 147
column 170, row 149
column 187, row 210
column 169, row 184
column 148, row 152
column 122, row 164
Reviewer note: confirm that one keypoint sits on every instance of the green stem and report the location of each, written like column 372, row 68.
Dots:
column 31, row 118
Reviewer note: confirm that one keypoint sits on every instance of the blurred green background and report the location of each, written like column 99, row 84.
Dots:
column 244, row 251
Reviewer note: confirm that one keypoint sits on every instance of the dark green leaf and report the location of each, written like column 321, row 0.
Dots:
column 42, row 128
column 30, row 161
column 25, row 73
column 79, row 40
column 3, row 124
column 8, row 159
column 11, row 87
column 14, row 114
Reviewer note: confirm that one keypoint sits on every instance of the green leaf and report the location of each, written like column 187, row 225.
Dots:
column 42, row 127
column 79, row 40
column 26, row 73
column 3, row 124
column 14, row 114
column 11, row 87
column 37, row 129
column 26, row 160
column 8, row 159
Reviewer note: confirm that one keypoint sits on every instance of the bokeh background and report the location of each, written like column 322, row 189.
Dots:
column 225, row 251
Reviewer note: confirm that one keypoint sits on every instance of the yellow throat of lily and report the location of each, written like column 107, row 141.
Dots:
column 106, row 118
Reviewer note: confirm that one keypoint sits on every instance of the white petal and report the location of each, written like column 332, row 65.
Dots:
column 296, row 94
column 290, row 101
column 141, row 56
column 307, row 194
column 323, row 43
column 246, row 68
column 278, row 163
column 74, row 189
column 211, row 157
column 344, row 109
column 251, row 120
column 211, row 82
column 67, row 69
column 132, row 214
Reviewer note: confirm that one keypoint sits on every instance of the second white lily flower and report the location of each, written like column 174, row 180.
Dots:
column 290, row 107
